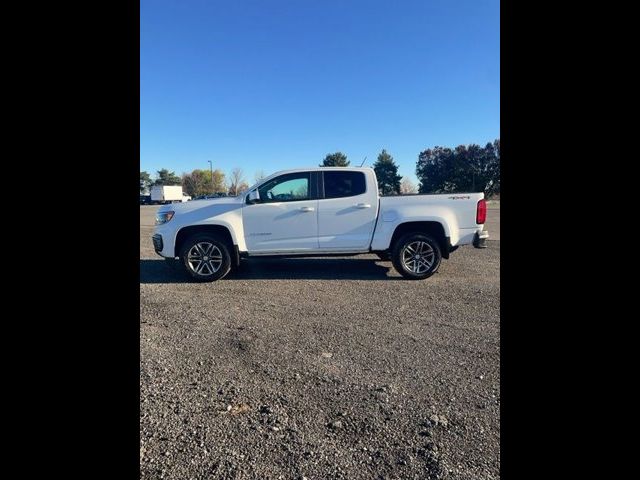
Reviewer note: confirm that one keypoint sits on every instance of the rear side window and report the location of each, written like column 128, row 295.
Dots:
column 343, row 184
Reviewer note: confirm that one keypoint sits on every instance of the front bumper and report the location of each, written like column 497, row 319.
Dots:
column 480, row 239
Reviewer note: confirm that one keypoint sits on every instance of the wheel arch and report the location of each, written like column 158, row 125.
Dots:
column 220, row 231
column 433, row 228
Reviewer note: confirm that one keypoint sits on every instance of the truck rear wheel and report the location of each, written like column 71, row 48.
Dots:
column 416, row 256
column 205, row 257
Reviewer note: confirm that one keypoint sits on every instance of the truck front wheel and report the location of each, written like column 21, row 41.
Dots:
column 205, row 257
column 416, row 256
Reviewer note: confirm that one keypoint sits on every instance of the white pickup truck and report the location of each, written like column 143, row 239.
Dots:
column 316, row 212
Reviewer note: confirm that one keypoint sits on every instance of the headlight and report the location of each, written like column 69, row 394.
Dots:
column 163, row 217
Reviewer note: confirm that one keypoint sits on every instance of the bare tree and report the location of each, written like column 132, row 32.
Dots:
column 235, row 180
column 407, row 186
column 259, row 175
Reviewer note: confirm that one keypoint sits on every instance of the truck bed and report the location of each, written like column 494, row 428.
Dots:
column 455, row 211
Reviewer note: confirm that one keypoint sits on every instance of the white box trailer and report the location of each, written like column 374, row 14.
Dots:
column 168, row 194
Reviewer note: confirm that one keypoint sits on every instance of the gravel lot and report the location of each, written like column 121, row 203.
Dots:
column 321, row 368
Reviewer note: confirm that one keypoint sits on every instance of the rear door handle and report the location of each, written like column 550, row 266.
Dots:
column 363, row 205
column 307, row 209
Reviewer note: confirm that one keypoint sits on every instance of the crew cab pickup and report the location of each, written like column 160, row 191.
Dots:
column 319, row 212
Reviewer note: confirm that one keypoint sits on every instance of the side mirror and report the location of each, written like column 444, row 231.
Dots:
column 253, row 197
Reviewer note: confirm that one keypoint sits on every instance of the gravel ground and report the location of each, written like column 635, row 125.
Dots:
column 321, row 368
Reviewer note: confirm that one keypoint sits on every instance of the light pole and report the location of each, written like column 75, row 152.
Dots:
column 211, row 168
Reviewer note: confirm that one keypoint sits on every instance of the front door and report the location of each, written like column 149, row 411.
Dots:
column 285, row 219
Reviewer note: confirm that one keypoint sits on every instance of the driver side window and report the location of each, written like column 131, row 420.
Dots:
column 285, row 188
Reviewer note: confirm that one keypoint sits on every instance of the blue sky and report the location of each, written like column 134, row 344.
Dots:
column 275, row 84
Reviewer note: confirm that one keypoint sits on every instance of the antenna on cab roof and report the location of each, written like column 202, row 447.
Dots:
column 365, row 159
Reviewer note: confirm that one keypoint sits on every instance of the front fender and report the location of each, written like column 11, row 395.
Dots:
column 229, row 226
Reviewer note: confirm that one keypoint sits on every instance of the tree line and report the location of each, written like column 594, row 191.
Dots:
column 201, row 182
column 465, row 168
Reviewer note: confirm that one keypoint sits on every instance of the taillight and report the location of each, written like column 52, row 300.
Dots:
column 481, row 212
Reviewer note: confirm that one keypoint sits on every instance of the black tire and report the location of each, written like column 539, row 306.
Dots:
column 430, row 252
column 207, row 272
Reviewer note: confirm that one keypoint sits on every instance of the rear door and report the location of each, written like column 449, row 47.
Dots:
column 286, row 217
column 346, row 211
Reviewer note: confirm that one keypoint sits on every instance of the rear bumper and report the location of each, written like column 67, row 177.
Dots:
column 480, row 239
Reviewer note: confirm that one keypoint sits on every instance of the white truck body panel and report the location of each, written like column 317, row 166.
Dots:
column 281, row 227
column 347, row 223
column 452, row 211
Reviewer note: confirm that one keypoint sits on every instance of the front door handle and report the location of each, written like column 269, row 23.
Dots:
column 307, row 209
column 363, row 205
